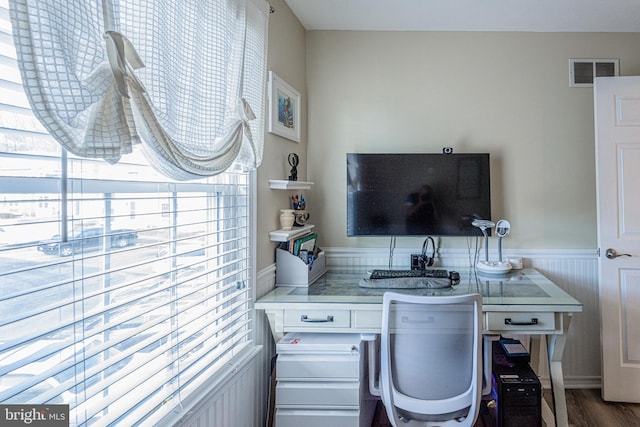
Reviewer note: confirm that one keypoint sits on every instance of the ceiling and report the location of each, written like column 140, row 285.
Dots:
column 469, row 15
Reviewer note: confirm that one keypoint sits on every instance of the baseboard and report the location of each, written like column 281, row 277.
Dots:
column 582, row 382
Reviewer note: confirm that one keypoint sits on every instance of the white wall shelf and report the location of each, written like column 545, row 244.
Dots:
column 284, row 184
column 285, row 235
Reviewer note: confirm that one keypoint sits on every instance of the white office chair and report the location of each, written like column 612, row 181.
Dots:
column 430, row 359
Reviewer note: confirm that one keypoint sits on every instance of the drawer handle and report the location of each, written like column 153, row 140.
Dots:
column 533, row 321
column 305, row 318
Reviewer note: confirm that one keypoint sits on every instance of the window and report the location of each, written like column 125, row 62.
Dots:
column 122, row 291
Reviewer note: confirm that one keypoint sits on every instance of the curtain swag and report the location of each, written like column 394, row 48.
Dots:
column 181, row 79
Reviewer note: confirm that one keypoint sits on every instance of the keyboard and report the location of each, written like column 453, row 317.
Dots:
column 395, row 274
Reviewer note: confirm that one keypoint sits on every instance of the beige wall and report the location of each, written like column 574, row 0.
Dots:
column 502, row 93
column 286, row 57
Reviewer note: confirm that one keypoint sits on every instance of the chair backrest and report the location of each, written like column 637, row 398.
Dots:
column 431, row 362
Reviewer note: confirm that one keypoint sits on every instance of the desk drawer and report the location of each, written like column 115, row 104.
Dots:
column 324, row 367
column 365, row 319
column 319, row 319
column 317, row 418
column 521, row 321
column 315, row 394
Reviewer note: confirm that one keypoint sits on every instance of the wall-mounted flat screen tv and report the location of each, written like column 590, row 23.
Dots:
column 418, row 194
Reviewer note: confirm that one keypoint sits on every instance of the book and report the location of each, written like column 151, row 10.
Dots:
column 304, row 243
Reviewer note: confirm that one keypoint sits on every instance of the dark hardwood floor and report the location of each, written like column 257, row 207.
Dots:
column 585, row 408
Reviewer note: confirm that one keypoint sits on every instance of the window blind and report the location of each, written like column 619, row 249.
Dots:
column 122, row 291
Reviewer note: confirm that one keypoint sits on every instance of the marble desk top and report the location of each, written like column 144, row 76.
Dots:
column 526, row 287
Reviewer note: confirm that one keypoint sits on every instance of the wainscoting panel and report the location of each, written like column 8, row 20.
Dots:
column 243, row 400
column 231, row 401
column 578, row 276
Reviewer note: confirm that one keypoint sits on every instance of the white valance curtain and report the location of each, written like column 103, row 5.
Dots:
column 181, row 79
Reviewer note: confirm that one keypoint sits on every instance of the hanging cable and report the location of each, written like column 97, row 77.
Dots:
column 392, row 247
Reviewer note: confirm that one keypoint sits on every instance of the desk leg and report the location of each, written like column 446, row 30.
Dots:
column 547, row 414
column 555, row 349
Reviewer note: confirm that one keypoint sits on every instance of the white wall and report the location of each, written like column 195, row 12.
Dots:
column 502, row 93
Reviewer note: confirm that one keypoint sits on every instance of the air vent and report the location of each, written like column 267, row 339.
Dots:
column 582, row 71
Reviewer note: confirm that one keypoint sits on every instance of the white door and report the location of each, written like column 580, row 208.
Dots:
column 617, row 128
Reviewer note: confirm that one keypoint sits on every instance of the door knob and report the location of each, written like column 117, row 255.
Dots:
column 612, row 254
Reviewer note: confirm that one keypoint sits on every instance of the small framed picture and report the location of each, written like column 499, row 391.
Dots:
column 284, row 108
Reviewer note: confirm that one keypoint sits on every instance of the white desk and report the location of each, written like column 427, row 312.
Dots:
column 522, row 302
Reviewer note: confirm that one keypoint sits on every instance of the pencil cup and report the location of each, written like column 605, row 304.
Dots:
column 301, row 217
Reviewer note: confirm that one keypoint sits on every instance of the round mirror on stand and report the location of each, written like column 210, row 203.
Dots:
column 503, row 227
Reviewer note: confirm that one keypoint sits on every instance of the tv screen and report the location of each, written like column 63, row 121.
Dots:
column 417, row 194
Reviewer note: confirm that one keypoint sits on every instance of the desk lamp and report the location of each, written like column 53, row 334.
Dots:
column 483, row 225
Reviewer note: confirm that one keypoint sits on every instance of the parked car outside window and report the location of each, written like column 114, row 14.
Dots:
column 89, row 239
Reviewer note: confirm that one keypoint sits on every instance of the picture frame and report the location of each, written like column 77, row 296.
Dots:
column 284, row 108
